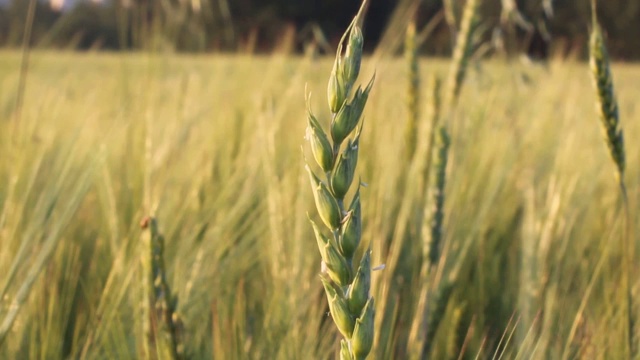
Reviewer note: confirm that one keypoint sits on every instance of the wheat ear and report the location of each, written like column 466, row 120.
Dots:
column 413, row 93
column 436, row 302
column 347, row 286
column 462, row 52
column 607, row 108
column 165, row 328
column 439, row 182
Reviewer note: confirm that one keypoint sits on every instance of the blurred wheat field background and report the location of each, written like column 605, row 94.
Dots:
column 211, row 146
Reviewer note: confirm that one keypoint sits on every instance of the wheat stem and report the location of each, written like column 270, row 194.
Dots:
column 24, row 63
column 627, row 245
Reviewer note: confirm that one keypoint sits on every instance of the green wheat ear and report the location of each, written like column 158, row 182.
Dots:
column 413, row 93
column 607, row 106
column 347, row 282
column 462, row 52
column 166, row 328
column 438, row 195
column 435, row 307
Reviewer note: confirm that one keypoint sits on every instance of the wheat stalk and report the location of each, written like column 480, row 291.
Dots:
column 607, row 108
column 347, row 287
column 450, row 16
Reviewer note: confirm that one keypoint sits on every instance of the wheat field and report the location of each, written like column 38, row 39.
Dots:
column 211, row 146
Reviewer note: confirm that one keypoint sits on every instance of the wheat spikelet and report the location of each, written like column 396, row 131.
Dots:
column 347, row 287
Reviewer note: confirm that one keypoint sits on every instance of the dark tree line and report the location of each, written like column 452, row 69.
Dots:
column 262, row 26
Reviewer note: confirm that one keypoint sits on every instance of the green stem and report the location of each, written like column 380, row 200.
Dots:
column 24, row 66
column 628, row 253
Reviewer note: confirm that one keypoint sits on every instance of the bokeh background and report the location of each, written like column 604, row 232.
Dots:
column 262, row 26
